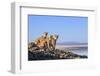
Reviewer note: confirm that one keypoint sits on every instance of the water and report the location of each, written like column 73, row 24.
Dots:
column 75, row 50
column 80, row 51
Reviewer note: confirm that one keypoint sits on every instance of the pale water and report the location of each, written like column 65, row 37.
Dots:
column 78, row 50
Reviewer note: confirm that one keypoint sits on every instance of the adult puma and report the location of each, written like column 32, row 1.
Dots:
column 52, row 41
column 41, row 42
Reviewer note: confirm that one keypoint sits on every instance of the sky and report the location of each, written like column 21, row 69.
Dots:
column 69, row 28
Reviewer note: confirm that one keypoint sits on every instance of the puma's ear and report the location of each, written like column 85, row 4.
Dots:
column 57, row 36
column 46, row 33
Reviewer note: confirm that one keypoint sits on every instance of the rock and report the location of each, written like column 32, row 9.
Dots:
column 31, row 45
column 49, row 55
column 34, row 53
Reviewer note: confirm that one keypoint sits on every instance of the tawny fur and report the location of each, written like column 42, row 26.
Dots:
column 52, row 42
column 41, row 42
column 46, row 43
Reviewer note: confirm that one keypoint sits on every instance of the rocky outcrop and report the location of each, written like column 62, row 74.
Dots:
column 34, row 53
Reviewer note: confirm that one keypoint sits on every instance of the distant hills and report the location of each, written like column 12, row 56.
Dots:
column 71, row 43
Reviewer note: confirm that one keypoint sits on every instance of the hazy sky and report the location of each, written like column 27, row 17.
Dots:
column 69, row 28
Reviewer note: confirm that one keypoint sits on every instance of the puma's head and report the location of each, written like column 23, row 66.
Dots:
column 55, row 36
column 45, row 34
